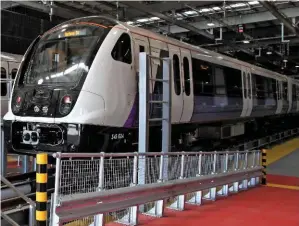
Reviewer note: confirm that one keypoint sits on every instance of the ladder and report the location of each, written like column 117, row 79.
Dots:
column 144, row 119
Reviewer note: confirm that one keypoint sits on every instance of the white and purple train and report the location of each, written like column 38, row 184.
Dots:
column 76, row 90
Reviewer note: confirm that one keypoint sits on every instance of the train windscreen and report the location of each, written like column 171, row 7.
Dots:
column 64, row 53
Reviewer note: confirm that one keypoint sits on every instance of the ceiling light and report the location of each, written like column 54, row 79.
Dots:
column 253, row 3
column 269, row 53
column 190, row 12
column 143, row 20
column 238, row 5
column 130, row 22
column 205, row 10
column 154, row 18
column 216, row 8
column 210, row 24
column 246, row 41
column 297, row 66
column 285, row 60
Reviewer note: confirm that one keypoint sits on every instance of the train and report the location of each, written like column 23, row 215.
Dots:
column 9, row 67
column 76, row 90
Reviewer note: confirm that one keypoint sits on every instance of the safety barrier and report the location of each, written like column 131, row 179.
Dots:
column 91, row 189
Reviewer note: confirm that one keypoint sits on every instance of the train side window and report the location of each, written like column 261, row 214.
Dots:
column 3, row 84
column 202, row 78
column 233, row 82
column 294, row 93
column 274, row 88
column 14, row 73
column 122, row 49
column 186, row 76
column 219, row 79
column 141, row 49
column 176, row 74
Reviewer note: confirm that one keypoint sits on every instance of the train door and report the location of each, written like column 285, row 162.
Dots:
column 177, row 94
column 187, row 85
column 279, row 97
column 249, row 92
column 141, row 44
column 4, row 88
column 244, row 92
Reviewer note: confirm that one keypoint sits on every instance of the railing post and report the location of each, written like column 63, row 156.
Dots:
column 99, row 219
column 225, row 187
column 179, row 204
column 41, row 189
column 133, row 211
column 245, row 181
column 253, row 179
column 213, row 190
column 236, row 184
column 264, row 165
column 258, row 163
column 197, row 197
column 25, row 164
column 55, row 218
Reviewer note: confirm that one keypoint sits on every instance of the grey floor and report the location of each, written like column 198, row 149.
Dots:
column 286, row 166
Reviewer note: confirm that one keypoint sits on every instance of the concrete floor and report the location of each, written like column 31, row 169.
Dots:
column 286, row 166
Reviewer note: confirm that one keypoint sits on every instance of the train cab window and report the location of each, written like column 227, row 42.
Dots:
column 3, row 84
column 186, row 75
column 122, row 49
column 202, row 78
column 176, row 74
column 14, row 73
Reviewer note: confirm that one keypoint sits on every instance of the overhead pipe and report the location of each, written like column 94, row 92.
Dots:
column 280, row 17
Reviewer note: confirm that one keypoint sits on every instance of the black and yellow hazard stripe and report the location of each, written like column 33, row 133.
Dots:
column 41, row 189
column 264, row 165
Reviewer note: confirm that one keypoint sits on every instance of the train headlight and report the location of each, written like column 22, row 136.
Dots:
column 26, row 136
column 65, row 105
column 16, row 104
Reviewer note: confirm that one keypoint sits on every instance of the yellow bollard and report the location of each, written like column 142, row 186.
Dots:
column 41, row 189
column 264, row 165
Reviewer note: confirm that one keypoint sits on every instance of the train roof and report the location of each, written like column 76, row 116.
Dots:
column 11, row 57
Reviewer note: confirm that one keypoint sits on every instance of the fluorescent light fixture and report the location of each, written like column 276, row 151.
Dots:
column 269, row 53
column 155, row 18
column 216, row 8
column 190, row 12
column 297, row 66
column 254, row 3
column 211, row 24
column 246, row 41
column 205, row 10
column 130, row 22
column 285, row 61
column 238, row 5
column 143, row 20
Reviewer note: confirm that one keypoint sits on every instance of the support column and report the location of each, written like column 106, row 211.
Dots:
column 41, row 189
column 264, row 165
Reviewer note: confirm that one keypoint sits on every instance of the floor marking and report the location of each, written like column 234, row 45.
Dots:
column 279, row 151
column 283, row 186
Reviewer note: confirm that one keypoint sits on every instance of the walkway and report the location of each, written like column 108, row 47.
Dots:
column 276, row 204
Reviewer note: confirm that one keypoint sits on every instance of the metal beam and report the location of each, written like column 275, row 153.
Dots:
column 181, row 24
column 58, row 11
column 272, row 8
column 235, row 20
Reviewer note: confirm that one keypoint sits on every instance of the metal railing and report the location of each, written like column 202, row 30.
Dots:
column 92, row 189
column 268, row 140
column 31, row 205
